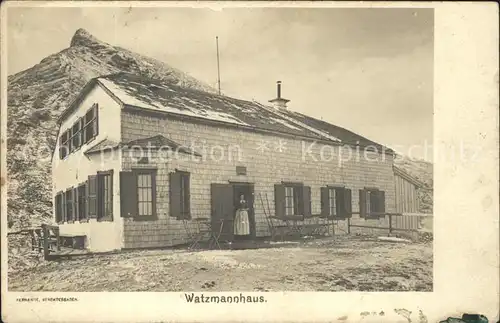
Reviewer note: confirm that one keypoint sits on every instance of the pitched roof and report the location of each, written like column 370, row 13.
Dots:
column 133, row 90
column 101, row 146
column 160, row 141
column 153, row 95
column 345, row 136
column 155, row 142
column 410, row 178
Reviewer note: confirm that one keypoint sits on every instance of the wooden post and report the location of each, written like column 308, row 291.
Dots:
column 348, row 225
column 390, row 224
column 45, row 236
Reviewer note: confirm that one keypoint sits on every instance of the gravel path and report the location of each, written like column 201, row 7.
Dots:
column 343, row 263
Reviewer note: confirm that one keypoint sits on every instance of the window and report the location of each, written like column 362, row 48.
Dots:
column 241, row 170
column 292, row 199
column 180, row 207
column 332, row 199
column 371, row 203
column 69, row 205
column 90, row 126
column 138, row 194
column 105, row 196
column 63, row 145
column 82, row 131
column 81, row 198
column 145, row 194
column 76, row 135
column 59, row 207
column 336, row 202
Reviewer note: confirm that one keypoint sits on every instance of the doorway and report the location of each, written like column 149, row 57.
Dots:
column 247, row 191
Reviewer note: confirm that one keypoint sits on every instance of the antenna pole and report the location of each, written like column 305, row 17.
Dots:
column 218, row 68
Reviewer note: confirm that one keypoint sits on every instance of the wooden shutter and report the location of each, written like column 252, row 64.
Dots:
column 279, row 200
column 76, row 207
column 61, row 148
column 153, row 192
column 92, row 197
column 58, row 202
column 374, row 204
column 187, row 196
column 362, row 203
column 306, row 198
column 325, row 201
column 63, row 207
column 96, row 120
column 175, row 195
column 128, row 194
column 348, row 203
column 339, row 202
column 381, row 203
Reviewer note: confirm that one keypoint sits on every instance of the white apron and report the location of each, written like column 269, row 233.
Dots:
column 241, row 223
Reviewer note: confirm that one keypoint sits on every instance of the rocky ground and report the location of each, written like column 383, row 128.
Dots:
column 328, row 264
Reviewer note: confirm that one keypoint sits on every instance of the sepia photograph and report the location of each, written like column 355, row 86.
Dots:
column 201, row 150
column 207, row 150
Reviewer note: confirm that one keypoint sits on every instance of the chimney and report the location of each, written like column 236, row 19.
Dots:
column 279, row 102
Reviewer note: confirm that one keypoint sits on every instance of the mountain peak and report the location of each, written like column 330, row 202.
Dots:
column 83, row 38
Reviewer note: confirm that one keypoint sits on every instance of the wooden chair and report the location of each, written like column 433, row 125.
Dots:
column 202, row 233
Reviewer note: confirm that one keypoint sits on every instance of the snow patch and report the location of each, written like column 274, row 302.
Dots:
column 135, row 100
column 286, row 124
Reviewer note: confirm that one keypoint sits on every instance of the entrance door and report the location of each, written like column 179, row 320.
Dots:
column 222, row 210
column 245, row 189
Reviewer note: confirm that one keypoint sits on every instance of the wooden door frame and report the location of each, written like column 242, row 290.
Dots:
column 251, row 213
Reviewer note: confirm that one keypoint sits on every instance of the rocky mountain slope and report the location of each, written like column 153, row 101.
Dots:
column 38, row 95
column 422, row 170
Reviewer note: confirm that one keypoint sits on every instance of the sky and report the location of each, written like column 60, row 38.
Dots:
column 369, row 70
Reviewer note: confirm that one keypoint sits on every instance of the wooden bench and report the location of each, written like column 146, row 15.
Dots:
column 73, row 241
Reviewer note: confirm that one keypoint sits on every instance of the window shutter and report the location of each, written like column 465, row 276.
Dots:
column 362, row 203
column 348, row 203
column 339, row 199
column 92, row 197
column 96, row 121
column 325, row 201
column 84, row 129
column 63, row 206
column 84, row 200
column 153, row 192
column 175, row 195
column 61, row 148
column 57, row 203
column 70, row 140
column 187, row 211
column 279, row 200
column 374, row 204
column 128, row 194
column 381, row 203
column 76, row 201
column 306, row 195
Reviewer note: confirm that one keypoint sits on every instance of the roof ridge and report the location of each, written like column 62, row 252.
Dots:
column 301, row 124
